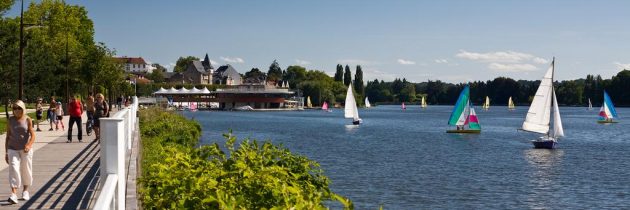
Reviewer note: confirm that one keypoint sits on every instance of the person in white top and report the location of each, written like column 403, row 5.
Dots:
column 59, row 115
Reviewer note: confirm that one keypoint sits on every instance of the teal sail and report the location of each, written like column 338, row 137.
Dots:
column 460, row 107
column 610, row 105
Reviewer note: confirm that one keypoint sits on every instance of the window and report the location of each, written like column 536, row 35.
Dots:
column 134, row 65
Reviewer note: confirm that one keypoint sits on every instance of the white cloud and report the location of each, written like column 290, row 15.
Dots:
column 406, row 62
column 214, row 63
column 496, row 57
column 515, row 67
column 622, row 66
column 441, row 61
column 232, row 60
column 302, row 62
column 355, row 62
column 169, row 66
column 540, row 60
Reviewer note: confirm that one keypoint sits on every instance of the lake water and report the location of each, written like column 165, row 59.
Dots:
column 405, row 160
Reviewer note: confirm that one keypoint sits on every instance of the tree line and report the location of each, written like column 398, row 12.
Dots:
column 321, row 87
column 61, row 57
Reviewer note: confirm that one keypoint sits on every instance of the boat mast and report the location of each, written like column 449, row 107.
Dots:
column 553, row 92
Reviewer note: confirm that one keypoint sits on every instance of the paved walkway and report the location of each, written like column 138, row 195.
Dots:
column 64, row 174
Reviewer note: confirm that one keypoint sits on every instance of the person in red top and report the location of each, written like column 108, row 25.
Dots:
column 75, row 108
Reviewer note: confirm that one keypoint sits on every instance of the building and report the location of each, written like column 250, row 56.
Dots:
column 198, row 72
column 134, row 65
column 227, row 75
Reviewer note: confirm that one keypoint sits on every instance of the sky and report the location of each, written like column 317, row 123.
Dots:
column 450, row 40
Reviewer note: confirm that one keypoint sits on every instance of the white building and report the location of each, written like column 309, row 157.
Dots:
column 135, row 65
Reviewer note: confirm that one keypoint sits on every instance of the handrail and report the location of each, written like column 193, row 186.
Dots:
column 116, row 137
column 105, row 199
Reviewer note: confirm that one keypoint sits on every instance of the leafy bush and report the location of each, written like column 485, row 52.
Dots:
column 255, row 175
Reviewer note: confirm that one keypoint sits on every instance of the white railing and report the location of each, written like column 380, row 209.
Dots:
column 116, row 138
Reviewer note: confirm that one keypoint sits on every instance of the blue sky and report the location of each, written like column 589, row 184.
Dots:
column 453, row 41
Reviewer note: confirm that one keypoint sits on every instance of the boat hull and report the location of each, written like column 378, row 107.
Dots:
column 544, row 144
column 463, row 131
column 605, row 122
column 357, row 122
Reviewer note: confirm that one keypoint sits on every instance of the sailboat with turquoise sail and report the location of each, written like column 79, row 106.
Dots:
column 607, row 113
column 350, row 108
column 538, row 117
column 463, row 115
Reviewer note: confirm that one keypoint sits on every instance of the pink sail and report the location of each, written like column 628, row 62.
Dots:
column 325, row 106
column 403, row 105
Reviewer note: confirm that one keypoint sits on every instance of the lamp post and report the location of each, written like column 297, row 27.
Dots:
column 22, row 43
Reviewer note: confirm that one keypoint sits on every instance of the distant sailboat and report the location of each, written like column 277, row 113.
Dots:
column 607, row 113
column 367, row 103
column 539, row 114
column 486, row 105
column 403, row 106
column 424, row 102
column 308, row 102
column 325, row 107
column 193, row 106
column 590, row 105
column 350, row 109
column 464, row 115
column 511, row 104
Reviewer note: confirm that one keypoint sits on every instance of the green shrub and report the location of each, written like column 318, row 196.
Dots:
column 254, row 175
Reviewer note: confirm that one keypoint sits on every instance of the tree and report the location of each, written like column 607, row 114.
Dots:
column 157, row 76
column 275, row 72
column 408, row 93
column 295, row 75
column 4, row 6
column 347, row 76
column 358, row 81
column 256, row 74
column 339, row 73
column 182, row 63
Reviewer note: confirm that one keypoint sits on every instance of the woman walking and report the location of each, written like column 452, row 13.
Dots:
column 52, row 112
column 101, row 110
column 19, row 153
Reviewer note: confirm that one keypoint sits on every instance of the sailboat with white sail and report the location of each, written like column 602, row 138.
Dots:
column 607, row 113
column 486, row 104
column 511, row 104
column 367, row 103
column 590, row 105
column 308, row 102
column 350, row 109
column 423, row 104
column 463, row 115
column 538, row 117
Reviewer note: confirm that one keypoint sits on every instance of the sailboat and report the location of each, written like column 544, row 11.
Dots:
column 308, row 102
column 510, row 104
column 325, row 107
column 367, row 103
column 590, row 105
column 424, row 102
column 464, row 115
column 350, row 109
column 607, row 113
column 538, row 117
column 403, row 106
column 486, row 105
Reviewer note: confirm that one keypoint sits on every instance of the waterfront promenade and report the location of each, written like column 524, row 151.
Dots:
column 65, row 175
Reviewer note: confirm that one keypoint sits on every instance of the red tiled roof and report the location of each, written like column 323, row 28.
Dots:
column 137, row 60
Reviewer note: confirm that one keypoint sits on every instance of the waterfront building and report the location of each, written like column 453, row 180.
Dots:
column 134, row 64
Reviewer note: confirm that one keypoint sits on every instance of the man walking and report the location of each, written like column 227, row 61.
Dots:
column 75, row 108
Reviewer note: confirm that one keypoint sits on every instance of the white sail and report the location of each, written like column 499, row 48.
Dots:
column 558, row 131
column 424, row 102
column 590, row 105
column 510, row 103
column 464, row 115
column 367, row 103
column 350, row 109
column 486, row 105
column 538, row 115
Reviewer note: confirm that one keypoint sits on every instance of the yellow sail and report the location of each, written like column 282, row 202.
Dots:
column 308, row 102
column 424, row 102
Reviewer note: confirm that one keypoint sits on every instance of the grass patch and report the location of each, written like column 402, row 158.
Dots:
column 3, row 122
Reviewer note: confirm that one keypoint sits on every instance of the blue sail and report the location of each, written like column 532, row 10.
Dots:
column 610, row 105
column 460, row 106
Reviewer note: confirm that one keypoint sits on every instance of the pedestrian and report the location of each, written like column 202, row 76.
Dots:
column 75, row 109
column 52, row 112
column 89, row 109
column 59, row 113
column 101, row 109
column 39, row 112
column 119, row 102
column 19, row 144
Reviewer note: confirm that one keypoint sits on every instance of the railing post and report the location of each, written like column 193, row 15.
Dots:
column 113, row 156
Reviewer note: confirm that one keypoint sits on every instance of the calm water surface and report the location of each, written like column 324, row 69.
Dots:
column 405, row 160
